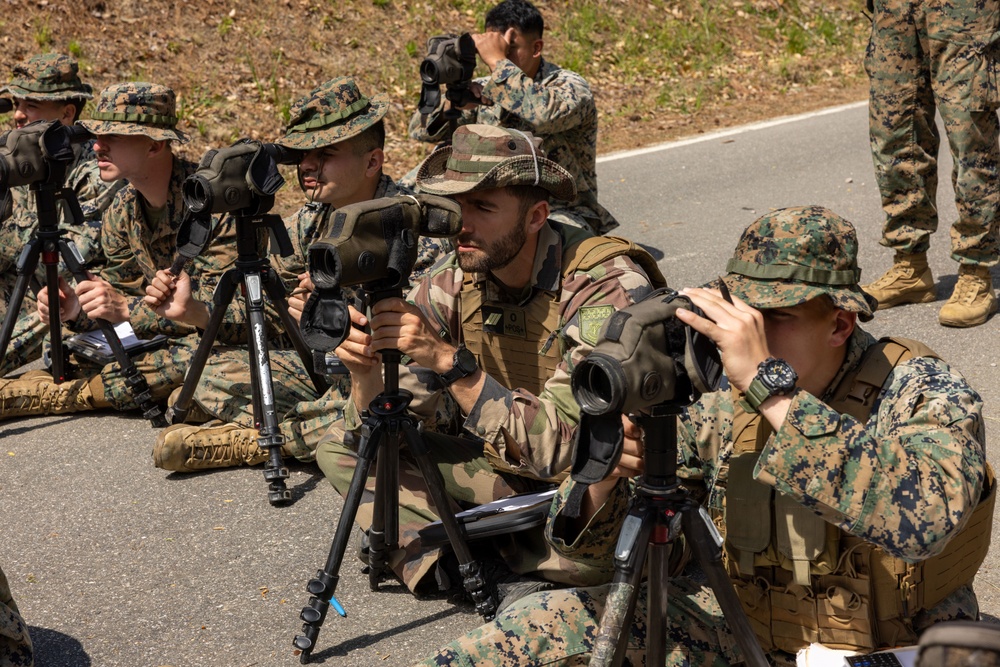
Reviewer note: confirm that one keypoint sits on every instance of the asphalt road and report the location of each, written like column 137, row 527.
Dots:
column 115, row 563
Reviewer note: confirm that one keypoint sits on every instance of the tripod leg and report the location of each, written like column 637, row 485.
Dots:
column 55, row 325
column 223, row 297
column 26, row 264
column 276, row 293
column 611, row 642
column 383, row 536
column 472, row 577
column 269, row 433
column 324, row 585
column 706, row 544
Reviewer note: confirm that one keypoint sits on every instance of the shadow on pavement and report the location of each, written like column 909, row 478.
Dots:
column 655, row 252
column 363, row 641
column 54, row 649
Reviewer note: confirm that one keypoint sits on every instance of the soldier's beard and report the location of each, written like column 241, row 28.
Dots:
column 495, row 255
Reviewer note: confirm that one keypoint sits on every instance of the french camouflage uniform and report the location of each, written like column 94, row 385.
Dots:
column 527, row 345
column 15, row 643
column 49, row 77
column 894, row 494
column 923, row 55
column 556, row 105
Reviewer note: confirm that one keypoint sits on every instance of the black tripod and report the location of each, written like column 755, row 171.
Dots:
column 386, row 422
column 253, row 271
column 47, row 243
column 664, row 509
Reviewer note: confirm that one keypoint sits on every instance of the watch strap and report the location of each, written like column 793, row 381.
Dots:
column 756, row 394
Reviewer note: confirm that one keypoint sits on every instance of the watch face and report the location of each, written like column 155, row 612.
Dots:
column 465, row 361
column 778, row 375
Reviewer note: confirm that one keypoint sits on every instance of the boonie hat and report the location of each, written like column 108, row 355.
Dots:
column 136, row 107
column 48, row 77
column 331, row 113
column 483, row 156
column 792, row 255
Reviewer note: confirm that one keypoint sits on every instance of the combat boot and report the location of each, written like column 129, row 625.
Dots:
column 973, row 300
column 909, row 280
column 36, row 393
column 189, row 448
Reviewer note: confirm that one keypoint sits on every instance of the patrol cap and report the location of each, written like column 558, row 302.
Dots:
column 136, row 108
column 331, row 113
column 483, row 156
column 792, row 255
column 48, row 77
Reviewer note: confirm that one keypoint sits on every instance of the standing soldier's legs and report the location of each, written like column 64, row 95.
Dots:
column 964, row 69
column 904, row 142
column 468, row 479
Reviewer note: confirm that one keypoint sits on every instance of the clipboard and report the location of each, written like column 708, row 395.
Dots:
column 507, row 515
column 93, row 346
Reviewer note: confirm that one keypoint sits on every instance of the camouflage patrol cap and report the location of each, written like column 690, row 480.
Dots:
column 136, row 108
column 331, row 113
column 792, row 255
column 49, row 77
column 484, row 156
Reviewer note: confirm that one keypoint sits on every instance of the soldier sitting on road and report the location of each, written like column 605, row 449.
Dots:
column 47, row 88
column 343, row 136
column 526, row 92
column 493, row 332
column 134, row 125
column 867, row 458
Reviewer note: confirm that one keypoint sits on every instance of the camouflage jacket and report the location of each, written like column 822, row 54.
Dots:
column 543, row 425
column 312, row 222
column 15, row 644
column 906, row 480
column 94, row 195
column 557, row 106
column 138, row 242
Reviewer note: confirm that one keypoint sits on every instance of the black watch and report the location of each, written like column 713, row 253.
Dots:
column 774, row 378
column 464, row 365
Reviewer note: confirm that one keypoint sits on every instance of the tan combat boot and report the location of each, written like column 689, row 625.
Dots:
column 36, row 393
column 908, row 281
column 973, row 301
column 189, row 448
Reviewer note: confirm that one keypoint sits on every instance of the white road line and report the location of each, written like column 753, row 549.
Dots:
column 784, row 120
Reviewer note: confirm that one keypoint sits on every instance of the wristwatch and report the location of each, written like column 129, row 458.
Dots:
column 774, row 378
column 464, row 365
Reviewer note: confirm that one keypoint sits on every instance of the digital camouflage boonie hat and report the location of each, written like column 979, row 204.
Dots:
column 136, row 107
column 483, row 156
column 49, row 78
column 331, row 113
column 792, row 255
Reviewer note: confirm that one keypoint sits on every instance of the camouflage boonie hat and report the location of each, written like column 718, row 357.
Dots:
column 792, row 255
column 331, row 113
column 50, row 78
column 483, row 156
column 134, row 108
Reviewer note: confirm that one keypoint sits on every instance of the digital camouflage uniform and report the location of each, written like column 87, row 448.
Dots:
column 15, row 643
column 49, row 77
column 556, row 105
column 471, row 450
column 335, row 111
column 922, row 55
column 906, row 480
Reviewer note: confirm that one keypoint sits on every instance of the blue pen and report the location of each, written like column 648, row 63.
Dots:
column 337, row 607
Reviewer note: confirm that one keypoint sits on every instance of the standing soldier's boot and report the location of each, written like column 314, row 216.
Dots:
column 187, row 448
column 973, row 300
column 36, row 393
column 908, row 281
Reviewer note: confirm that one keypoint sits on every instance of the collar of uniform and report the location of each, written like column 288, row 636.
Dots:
column 547, row 271
column 860, row 341
column 546, row 70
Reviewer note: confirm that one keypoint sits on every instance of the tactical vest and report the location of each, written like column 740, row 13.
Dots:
column 521, row 346
column 801, row 579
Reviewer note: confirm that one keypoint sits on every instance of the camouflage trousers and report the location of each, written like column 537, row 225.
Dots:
column 469, row 480
column 925, row 54
column 15, row 644
column 224, row 391
column 28, row 339
column 559, row 627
